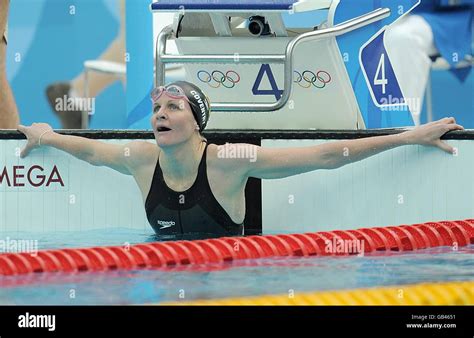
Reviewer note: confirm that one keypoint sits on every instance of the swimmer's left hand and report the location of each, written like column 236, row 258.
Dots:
column 430, row 134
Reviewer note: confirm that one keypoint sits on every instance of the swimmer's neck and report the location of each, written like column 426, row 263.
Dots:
column 181, row 161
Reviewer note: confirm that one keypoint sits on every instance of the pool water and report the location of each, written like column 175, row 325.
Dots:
column 76, row 239
column 90, row 238
column 240, row 278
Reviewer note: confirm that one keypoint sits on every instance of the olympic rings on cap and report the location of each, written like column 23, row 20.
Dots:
column 218, row 78
column 318, row 80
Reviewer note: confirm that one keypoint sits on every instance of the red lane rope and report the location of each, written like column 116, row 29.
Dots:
column 228, row 249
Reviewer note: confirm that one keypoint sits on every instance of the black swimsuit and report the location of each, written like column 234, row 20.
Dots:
column 192, row 212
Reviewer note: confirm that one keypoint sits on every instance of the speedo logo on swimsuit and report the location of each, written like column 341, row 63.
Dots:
column 165, row 224
column 202, row 106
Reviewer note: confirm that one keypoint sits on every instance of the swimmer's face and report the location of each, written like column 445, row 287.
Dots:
column 172, row 121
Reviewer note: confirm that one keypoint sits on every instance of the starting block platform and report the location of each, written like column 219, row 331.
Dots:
column 261, row 73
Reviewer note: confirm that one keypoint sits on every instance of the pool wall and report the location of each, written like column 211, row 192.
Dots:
column 405, row 185
column 74, row 196
column 52, row 191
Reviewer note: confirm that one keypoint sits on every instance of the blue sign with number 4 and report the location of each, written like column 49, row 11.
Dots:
column 381, row 80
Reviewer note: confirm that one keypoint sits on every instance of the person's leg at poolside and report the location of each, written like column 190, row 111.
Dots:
column 8, row 110
column 97, row 82
column 412, row 44
column 115, row 53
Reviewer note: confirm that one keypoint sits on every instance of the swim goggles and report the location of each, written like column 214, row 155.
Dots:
column 173, row 91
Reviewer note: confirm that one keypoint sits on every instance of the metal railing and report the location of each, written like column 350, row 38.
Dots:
column 287, row 59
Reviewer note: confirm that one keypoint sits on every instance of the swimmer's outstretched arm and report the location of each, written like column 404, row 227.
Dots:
column 94, row 152
column 279, row 163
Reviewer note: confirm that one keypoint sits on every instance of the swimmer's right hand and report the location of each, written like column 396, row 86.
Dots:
column 35, row 135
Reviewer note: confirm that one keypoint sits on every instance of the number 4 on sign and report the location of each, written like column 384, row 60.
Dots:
column 381, row 69
column 381, row 80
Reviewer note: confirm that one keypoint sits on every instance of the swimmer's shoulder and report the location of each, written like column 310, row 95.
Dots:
column 141, row 154
column 231, row 158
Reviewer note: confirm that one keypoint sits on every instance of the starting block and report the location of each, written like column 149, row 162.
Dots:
column 261, row 73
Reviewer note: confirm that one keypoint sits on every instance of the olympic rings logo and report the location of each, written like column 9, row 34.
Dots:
column 218, row 78
column 318, row 80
